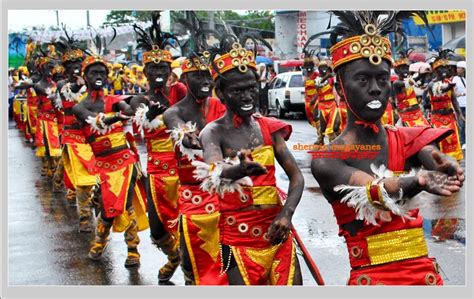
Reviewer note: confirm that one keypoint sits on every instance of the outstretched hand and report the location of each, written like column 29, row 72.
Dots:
column 438, row 183
column 448, row 166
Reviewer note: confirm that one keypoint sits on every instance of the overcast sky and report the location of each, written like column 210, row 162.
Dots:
column 74, row 19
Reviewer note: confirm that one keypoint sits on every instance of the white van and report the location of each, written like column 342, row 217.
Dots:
column 286, row 93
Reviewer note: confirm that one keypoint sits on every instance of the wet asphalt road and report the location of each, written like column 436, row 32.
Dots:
column 45, row 248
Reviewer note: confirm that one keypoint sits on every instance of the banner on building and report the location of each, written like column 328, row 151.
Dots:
column 301, row 33
column 442, row 16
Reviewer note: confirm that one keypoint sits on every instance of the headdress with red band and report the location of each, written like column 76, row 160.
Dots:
column 403, row 58
column 441, row 59
column 69, row 48
column 236, row 56
column 94, row 59
column 199, row 57
column 95, row 55
column 361, row 35
column 154, row 42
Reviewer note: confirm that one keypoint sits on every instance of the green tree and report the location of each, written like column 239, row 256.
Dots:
column 117, row 17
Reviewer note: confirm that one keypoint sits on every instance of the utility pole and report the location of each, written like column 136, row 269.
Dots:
column 210, row 15
column 57, row 18
column 88, row 21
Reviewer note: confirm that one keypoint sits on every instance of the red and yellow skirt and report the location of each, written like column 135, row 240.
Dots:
column 328, row 111
column 117, row 179
column 47, row 136
column 414, row 118
column 419, row 271
column 79, row 161
column 259, row 262
column 164, row 183
column 200, row 223
column 451, row 145
column 32, row 117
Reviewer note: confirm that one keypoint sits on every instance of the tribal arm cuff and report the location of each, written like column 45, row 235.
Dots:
column 372, row 200
column 72, row 96
column 98, row 125
column 212, row 182
column 142, row 121
column 177, row 135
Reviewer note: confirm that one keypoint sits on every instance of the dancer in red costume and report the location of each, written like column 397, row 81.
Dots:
column 163, row 180
column 404, row 90
column 48, row 147
column 123, row 201
column 199, row 210
column 445, row 111
column 239, row 149
column 77, row 157
column 310, row 95
column 384, row 237
column 329, row 118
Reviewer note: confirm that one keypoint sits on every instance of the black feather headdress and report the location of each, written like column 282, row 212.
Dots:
column 441, row 58
column 154, row 41
column 69, row 48
column 200, row 44
column 362, row 34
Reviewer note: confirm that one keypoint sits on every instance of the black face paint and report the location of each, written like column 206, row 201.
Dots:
column 200, row 84
column 73, row 68
column 323, row 70
column 402, row 71
column 240, row 92
column 367, row 88
column 96, row 76
column 157, row 74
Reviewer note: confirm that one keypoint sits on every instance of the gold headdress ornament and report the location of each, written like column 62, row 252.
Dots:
column 199, row 57
column 403, row 58
column 154, row 42
column 197, row 63
column 441, row 59
column 361, row 35
column 69, row 47
column 237, row 57
column 58, row 69
column 370, row 45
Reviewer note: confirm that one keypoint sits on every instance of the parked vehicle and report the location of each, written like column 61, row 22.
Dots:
column 286, row 93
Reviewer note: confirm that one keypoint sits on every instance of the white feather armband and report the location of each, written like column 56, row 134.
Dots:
column 358, row 197
column 143, row 122
column 177, row 135
column 210, row 175
column 98, row 125
column 57, row 101
column 72, row 96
